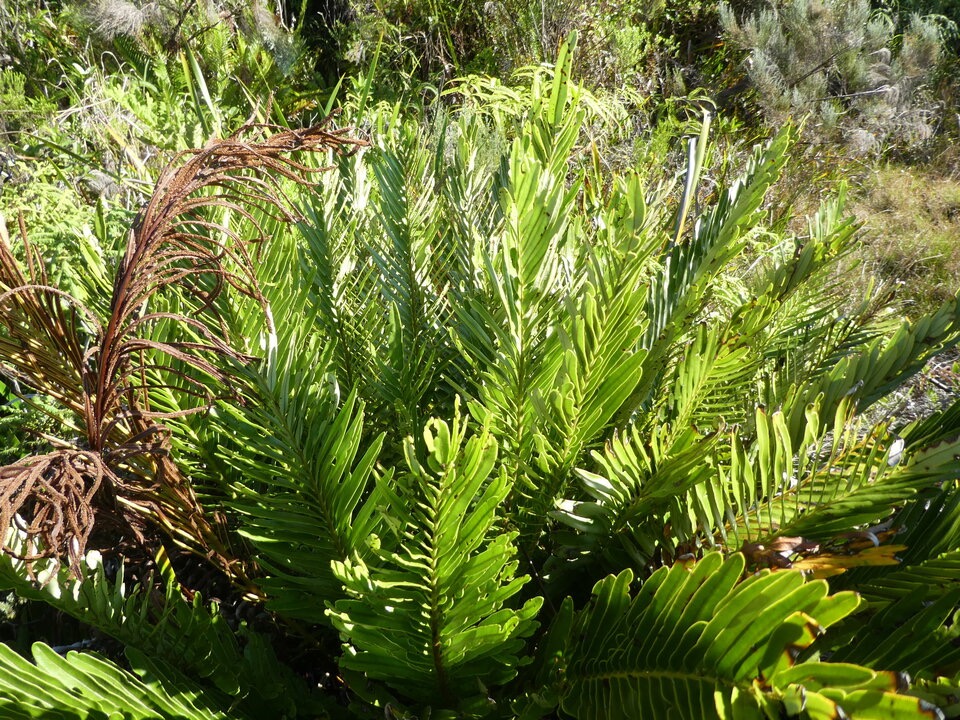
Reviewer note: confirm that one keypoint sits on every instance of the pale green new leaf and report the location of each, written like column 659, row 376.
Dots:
column 508, row 326
column 677, row 292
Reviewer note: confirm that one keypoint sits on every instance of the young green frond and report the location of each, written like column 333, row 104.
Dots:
column 435, row 618
column 308, row 498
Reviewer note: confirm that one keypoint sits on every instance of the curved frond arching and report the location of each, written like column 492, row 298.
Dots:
column 698, row 641
column 873, row 371
column 642, row 483
column 676, row 294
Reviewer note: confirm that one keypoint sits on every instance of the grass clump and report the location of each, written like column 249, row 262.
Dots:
column 912, row 223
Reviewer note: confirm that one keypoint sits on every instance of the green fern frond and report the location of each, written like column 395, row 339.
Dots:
column 754, row 489
column 84, row 686
column 700, row 642
column 708, row 382
column 508, row 328
column 646, row 482
column 161, row 624
column 343, row 279
column 929, row 527
column 305, row 500
column 433, row 620
column 915, row 633
column 600, row 337
column 790, row 491
column 872, row 372
column 413, row 281
column 676, row 294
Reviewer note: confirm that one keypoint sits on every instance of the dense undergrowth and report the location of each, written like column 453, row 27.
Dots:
column 465, row 372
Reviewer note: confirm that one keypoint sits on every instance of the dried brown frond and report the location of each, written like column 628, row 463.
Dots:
column 176, row 241
column 121, row 473
column 46, row 329
column 51, row 498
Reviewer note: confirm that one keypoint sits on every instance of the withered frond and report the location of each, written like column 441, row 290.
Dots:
column 51, row 498
column 177, row 240
column 121, row 473
column 47, row 332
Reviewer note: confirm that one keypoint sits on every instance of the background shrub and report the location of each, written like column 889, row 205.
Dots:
column 842, row 67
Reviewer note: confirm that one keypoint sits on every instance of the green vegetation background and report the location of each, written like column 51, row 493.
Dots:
column 577, row 393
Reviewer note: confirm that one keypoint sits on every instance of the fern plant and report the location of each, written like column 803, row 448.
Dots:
column 486, row 432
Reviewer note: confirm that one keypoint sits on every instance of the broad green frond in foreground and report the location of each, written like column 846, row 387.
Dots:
column 433, row 619
column 83, row 686
column 702, row 642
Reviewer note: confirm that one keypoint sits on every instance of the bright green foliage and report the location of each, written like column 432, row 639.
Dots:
column 85, row 686
column 432, row 620
column 482, row 375
column 699, row 642
column 315, row 480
